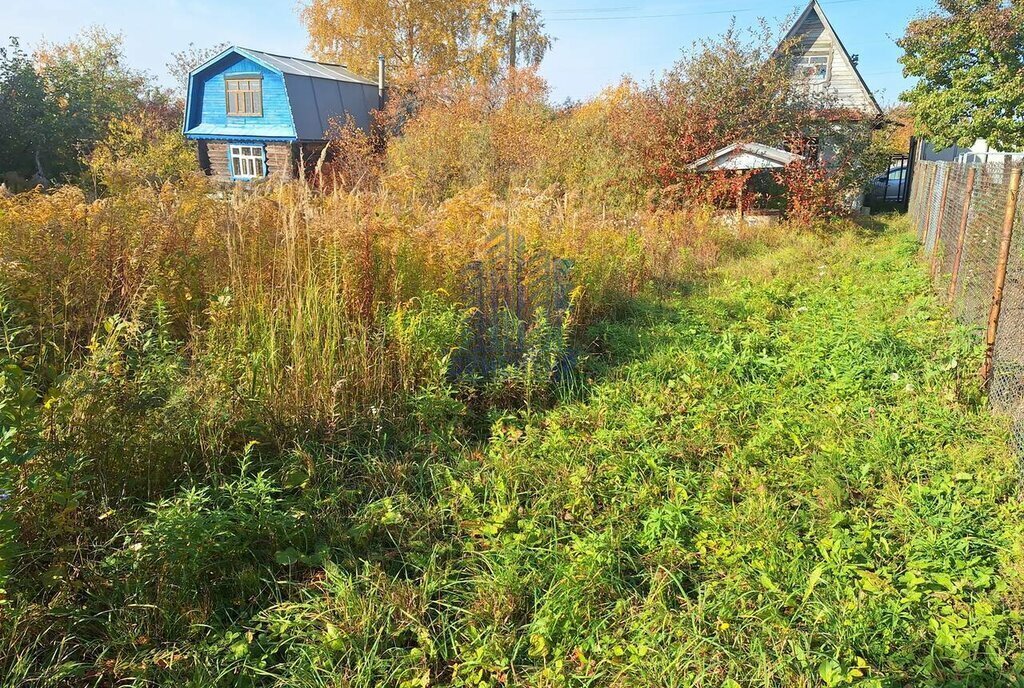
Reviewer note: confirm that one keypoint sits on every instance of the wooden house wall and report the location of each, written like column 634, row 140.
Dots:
column 216, row 153
column 816, row 41
column 213, row 158
column 280, row 160
column 208, row 103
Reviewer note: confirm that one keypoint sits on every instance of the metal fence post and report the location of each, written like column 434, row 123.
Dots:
column 922, row 198
column 922, row 234
column 1009, row 216
column 962, row 235
column 915, row 191
column 911, row 171
column 939, row 221
column 925, row 190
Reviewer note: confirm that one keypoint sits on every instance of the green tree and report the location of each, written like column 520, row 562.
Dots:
column 91, row 84
column 969, row 58
column 27, row 114
column 57, row 104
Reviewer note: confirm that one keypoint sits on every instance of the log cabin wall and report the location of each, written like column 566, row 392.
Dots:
column 216, row 154
column 213, row 159
column 280, row 161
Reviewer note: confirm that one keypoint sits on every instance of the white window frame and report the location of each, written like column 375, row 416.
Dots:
column 803, row 64
column 247, row 160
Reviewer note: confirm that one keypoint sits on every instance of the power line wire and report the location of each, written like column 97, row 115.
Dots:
column 676, row 14
column 580, row 10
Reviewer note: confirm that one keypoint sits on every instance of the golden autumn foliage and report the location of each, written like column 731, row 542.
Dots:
column 462, row 39
column 507, row 135
column 468, row 135
column 139, row 150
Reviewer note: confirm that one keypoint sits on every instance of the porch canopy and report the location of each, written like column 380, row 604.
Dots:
column 745, row 156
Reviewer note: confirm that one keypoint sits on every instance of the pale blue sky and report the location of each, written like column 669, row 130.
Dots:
column 598, row 41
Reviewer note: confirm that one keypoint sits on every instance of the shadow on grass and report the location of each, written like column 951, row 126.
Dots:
column 876, row 225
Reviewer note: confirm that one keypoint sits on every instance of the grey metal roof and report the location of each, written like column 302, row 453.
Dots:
column 300, row 67
column 315, row 102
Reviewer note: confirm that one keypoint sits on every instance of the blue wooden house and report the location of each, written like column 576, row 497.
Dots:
column 256, row 115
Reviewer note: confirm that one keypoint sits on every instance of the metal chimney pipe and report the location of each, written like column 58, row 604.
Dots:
column 380, row 81
column 512, row 41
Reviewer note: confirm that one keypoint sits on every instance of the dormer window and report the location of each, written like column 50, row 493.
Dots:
column 244, row 96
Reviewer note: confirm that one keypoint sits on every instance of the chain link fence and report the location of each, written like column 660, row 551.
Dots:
column 969, row 223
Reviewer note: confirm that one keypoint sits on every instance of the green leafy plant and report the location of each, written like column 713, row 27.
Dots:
column 966, row 56
column 19, row 431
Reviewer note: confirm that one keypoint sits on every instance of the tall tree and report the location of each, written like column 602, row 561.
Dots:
column 55, row 106
column 735, row 88
column 28, row 116
column 462, row 39
column 969, row 58
column 184, row 61
column 91, row 83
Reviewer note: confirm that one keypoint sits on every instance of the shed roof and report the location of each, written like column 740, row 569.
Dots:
column 745, row 156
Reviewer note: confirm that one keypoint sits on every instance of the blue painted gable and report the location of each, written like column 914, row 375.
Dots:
column 207, row 105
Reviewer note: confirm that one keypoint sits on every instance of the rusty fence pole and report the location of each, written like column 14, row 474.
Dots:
column 1009, row 215
column 941, row 218
column 962, row 235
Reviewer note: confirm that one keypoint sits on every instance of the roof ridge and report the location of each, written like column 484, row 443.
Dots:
column 292, row 57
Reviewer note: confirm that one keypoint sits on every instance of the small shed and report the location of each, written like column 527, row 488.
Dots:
column 744, row 157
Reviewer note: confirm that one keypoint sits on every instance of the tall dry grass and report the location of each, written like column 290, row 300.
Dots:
column 295, row 301
column 287, row 313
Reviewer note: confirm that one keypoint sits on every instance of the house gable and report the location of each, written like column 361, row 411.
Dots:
column 817, row 40
column 321, row 93
column 206, row 110
column 301, row 98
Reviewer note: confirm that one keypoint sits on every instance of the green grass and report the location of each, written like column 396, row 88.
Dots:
column 784, row 477
column 787, row 485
